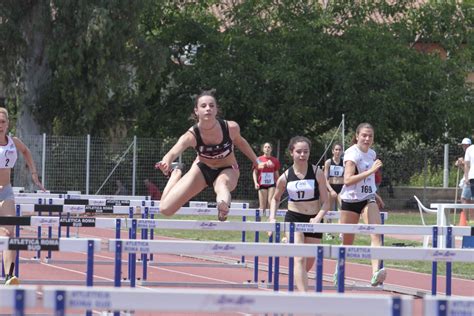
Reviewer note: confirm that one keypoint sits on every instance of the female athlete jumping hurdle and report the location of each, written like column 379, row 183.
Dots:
column 215, row 165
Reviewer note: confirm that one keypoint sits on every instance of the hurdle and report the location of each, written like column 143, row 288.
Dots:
column 203, row 209
column 89, row 246
column 18, row 299
column 60, row 300
column 152, row 224
column 171, row 300
column 401, row 230
column 22, row 209
column 448, row 306
column 72, row 195
column 145, row 224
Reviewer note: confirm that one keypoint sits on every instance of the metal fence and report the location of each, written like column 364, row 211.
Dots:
column 92, row 165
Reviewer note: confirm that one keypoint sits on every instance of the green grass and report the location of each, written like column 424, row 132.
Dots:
column 461, row 270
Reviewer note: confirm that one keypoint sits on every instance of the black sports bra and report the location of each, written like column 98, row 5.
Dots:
column 218, row 151
column 302, row 190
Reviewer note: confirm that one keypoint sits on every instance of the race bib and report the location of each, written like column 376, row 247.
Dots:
column 267, row 178
column 336, row 171
column 301, row 189
column 366, row 189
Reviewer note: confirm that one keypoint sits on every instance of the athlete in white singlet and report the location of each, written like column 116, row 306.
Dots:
column 9, row 148
column 359, row 195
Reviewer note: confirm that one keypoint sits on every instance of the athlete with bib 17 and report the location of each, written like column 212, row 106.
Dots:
column 307, row 201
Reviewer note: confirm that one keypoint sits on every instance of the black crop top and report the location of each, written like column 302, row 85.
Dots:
column 302, row 190
column 217, row 151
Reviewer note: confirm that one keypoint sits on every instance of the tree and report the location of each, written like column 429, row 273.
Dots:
column 295, row 67
column 280, row 68
column 24, row 31
column 74, row 64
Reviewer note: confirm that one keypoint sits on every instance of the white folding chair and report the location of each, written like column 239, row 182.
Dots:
column 422, row 208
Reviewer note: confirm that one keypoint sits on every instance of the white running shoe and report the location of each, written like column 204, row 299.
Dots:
column 379, row 277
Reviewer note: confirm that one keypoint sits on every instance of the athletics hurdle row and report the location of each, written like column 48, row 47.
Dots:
column 337, row 252
column 341, row 253
column 438, row 255
column 146, row 211
column 116, row 207
column 90, row 222
column 302, row 227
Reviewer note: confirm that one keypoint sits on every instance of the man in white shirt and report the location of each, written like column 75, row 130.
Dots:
column 468, row 167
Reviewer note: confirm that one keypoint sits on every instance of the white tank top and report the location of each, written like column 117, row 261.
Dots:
column 8, row 154
column 366, row 188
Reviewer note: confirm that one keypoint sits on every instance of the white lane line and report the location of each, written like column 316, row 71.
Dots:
column 149, row 267
column 140, row 286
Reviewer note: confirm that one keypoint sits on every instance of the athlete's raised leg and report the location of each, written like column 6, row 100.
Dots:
column 182, row 190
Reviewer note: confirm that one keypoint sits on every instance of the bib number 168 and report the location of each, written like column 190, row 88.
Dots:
column 366, row 189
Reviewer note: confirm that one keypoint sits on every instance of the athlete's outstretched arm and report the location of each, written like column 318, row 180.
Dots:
column 185, row 141
column 241, row 143
column 29, row 161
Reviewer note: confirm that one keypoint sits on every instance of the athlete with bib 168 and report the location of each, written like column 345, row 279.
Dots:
column 359, row 195
column 9, row 148
column 307, row 201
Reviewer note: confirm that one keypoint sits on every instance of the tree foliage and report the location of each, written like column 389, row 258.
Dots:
column 280, row 68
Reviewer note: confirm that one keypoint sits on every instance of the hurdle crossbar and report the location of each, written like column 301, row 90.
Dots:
column 448, row 305
column 229, row 226
column 56, row 244
column 290, row 250
column 170, row 300
column 17, row 298
column 24, row 209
